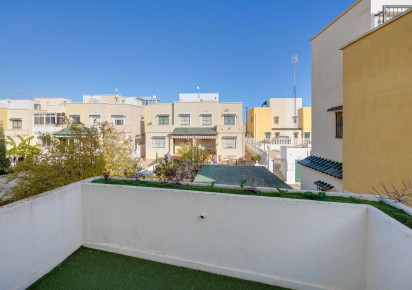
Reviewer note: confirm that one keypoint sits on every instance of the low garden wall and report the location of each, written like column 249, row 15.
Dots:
column 298, row 244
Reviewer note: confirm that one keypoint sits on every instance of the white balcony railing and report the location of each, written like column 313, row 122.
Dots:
column 280, row 141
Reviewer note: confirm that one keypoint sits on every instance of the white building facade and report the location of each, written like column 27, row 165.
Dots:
column 327, row 100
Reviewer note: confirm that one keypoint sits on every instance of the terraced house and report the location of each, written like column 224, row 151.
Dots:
column 217, row 126
column 32, row 117
column 328, row 129
column 123, row 112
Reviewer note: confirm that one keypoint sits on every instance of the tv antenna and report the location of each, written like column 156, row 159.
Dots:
column 294, row 60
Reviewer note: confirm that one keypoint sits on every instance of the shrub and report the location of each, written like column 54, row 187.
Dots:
column 193, row 152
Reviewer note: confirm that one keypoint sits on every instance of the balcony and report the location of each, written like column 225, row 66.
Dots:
column 389, row 12
column 15, row 132
column 292, row 243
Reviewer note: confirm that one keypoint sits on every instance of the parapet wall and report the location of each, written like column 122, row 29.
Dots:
column 297, row 244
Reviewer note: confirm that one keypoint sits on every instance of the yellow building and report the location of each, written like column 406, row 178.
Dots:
column 3, row 118
column 306, row 120
column 377, row 100
column 280, row 119
column 259, row 122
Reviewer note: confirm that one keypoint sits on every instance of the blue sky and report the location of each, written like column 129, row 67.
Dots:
column 241, row 49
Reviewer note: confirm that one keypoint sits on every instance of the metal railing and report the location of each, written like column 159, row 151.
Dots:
column 281, row 141
column 388, row 12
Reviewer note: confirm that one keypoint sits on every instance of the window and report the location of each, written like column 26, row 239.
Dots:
column 158, row 142
column 118, row 120
column 37, row 106
column 38, row 119
column 207, row 120
column 275, row 120
column 307, row 135
column 45, row 142
column 184, row 119
column 229, row 119
column 296, row 135
column 277, row 134
column 229, row 142
column 163, row 120
column 61, row 118
column 295, row 119
column 17, row 124
column 95, row 119
column 267, row 135
column 49, row 119
column 339, row 124
column 75, row 118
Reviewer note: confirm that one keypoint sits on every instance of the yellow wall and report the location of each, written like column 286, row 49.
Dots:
column 377, row 102
column 306, row 119
column 259, row 121
column 3, row 117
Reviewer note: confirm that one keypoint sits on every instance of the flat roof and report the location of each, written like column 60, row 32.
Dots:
column 232, row 175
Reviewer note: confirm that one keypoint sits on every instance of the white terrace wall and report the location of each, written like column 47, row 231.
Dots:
column 291, row 243
column 389, row 253
column 36, row 234
column 297, row 244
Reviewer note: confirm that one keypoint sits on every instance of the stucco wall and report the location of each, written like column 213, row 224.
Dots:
column 327, row 77
column 309, row 176
column 377, row 102
column 3, row 118
column 393, row 245
column 259, row 121
column 297, row 244
column 306, row 120
column 37, row 234
column 165, row 225
column 290, row 154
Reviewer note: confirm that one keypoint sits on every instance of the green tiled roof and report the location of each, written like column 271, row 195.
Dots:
column 194, row 131
column 67, row 132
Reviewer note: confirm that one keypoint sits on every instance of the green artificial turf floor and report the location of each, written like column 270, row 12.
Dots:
column 93, row 269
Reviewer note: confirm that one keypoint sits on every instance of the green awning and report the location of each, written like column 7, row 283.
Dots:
column 194, row 131
column 15, row 119
column 69, row 132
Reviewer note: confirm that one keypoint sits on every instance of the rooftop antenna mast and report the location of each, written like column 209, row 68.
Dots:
column 294, row 60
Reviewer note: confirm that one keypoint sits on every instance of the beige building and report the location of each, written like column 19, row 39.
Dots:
column 19, row 117
column 325, row 164
column 47, row 115
column 217, row 127
column 125, row 117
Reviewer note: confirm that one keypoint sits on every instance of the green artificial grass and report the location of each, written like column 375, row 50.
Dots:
column 397, row 214
column 93, row 269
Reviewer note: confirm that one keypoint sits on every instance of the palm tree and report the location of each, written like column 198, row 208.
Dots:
column 23, row 149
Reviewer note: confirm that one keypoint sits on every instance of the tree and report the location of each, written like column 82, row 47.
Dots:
column 4, row 160
column 399, row 194
column 77, row 153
